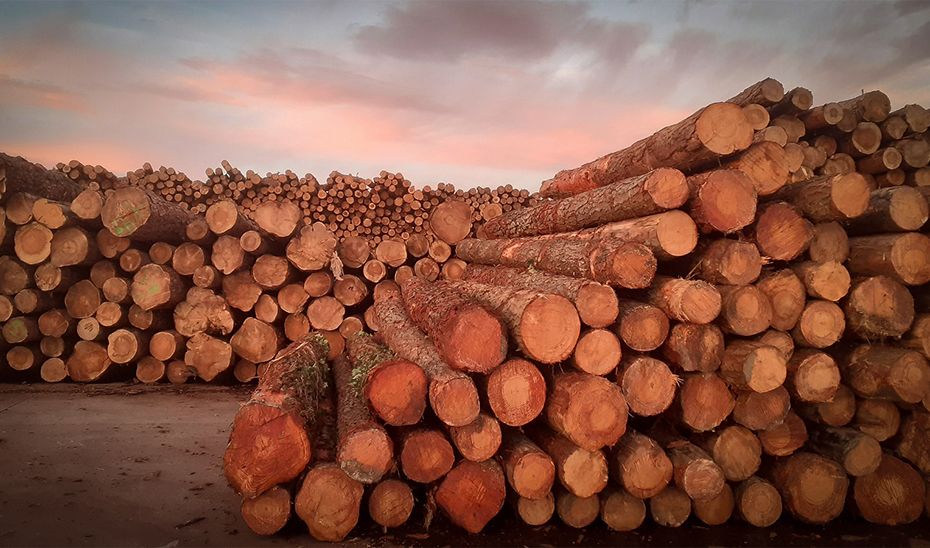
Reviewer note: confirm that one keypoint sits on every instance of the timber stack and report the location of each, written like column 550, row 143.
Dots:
column 726, row 320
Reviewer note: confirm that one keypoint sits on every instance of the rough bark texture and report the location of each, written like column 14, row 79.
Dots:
column 132, row 211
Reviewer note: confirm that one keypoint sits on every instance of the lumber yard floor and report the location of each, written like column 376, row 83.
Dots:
column 125, row 465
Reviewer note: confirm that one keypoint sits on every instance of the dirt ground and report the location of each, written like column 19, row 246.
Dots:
column 121, row 465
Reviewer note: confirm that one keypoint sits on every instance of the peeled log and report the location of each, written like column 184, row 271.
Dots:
column 588, row 410
column 132, row 211
column 453, row 396
column 636, row 196
column 472, row 493
column 891, row 495
column 714, row 131
column 467, row 336
column 596, row 303
column 286, row 397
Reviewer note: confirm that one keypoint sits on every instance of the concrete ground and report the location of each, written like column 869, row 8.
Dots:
column 123, row 465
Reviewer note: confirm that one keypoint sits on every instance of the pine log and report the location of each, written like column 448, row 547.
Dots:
column 529, row 471
column 53, row 370
column 23, row 358
column 126, row 345
column 670, row 508
column 208, row 356
column 132, row 211
column 318, row 284
column 576, row 512
column 597, row 352
column 451, row 221
column 766, row 92
column 716, row 510
column 732, row 262
column 516, row 392
column 685, row 300
column 73, row 246
column 713, row 131
column 425, row 455
column 588, row 410
column 252, row 241
column 267, row 513
column 326, row 313
column 751, row 365
column 758, row 502
column 50, row 278
column 637, row 196
column 452, row 394
column 880, row 419
column 641, row 465
column 132, row 260
column 766, row 165
column 54, row 323
column 745, row 310
column 838, row 412
column 227, row 256
column 647, row 384
column 759, row 411
column 33, row 243
column 286, row 399
column 784, row 438
column 914, row 442
column 224, row 217
column 203, row 312
column 879, row 307
column 871, row 106
column 813, row 488
column 887, row 372
column 391, row 503
column 781, row 231
column 821, row 324
column 292, row 298
column 266, row 309
column 886, row 159
column 82, row 299
column 24, row 176
column 88, row 361
column 813, row 376
column 824, row 280
column 472, row 493
column 694, row 471
column 271, row 272
column 364, row 451
column 394, row 387
column 894, row 209
column 117, row 290
column 479, row 440
column 596, row 303
column 642, row 327
column 903, row 257
column 828, row 197
column 859, row 454
column 722, row 200
column 786, row 294
column 279, row 218
column 312, row 248
column 621, row 511
column 256, row 341
column 582, row 472
column 328, row 501
column 795, row 101
column 757, row 116
column 705, row 401
column 875, row 501
column 918, row 338
column 14, row 276
column 736, row 450
column 535, row 512
column 156, row 287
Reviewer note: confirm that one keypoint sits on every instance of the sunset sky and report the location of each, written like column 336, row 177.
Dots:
column 478, row 93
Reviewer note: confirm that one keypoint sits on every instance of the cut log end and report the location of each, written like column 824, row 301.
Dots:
column 267, row 513
column 396, row 390
column 621, row 511
column 472, row 493
column 549, row 328
column 391, row 503
column 723, row 128
column 329, row 502
column 516, row 392
column 455, row 401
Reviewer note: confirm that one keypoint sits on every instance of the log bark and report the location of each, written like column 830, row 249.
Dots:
column 813, row 488
column 858, row 453
column 714, row 131
column 364, row 450
column 637, row 196
column 596, row 303
column 641, row 465
column 887, row 372
column 472, row 493
column 22, row 175
column 588, row 410
column 132, row 211
column 828, row 197
column 766, row 165
column 902, row 257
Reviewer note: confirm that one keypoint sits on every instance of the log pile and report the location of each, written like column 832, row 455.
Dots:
column 725, row 320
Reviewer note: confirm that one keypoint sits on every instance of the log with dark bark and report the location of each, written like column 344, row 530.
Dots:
column 24, row 176
column 140, row 214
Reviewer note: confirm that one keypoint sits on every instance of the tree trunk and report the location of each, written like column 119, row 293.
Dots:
column 887, row 372
column 903, row 257
column 745, row 310
column 685, row 300
column 132, row 211
column 758, row 502
column 394, row 387
column 879, row 307
column 426, row 455
column 621, row 511
column 576, row 512
column 529, row 471
column 716, row 510
column 267, row 513
column 730, row 262
column 647, row 384
column 391, row 503
column 781, row 232
column 821, row 325
column 582, row 472
column 784, row 438
column 670, row 508
column 751, row 365
column 329, row 501
column 365, row 452
column 705, row 401
column 694, row 347
column 478, row 441
column 588, row 410
column 643, row 327
column 20, row 175
column 597, row 352
column 722, row 200
column 860, row 454
column 736, row 450
column 759, row 411
column 871, row 493
column 828, row 197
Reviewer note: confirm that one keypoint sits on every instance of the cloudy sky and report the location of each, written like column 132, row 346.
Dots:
column 471, row 92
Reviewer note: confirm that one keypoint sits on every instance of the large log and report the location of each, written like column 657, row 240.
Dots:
column 588, row 410
column 873, row 493
column 135, row 212
column 22, row 175
column 394, row 387
column 879, row 307
column 472, row 493
column 904, row 257
column 828, row 197
column 813, row 487
column 516, row 392
column 641, row 465
column 723, row 200
column 328, row 502
column 365, row 452
column 711, row 132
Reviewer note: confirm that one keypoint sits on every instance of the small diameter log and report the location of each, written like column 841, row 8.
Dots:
column 608, row 259
column 597, row 352
column 887, row 372
column 781, row 231
column 224, row 217
column 132, row 211
column 736, row 450
column 256, row 341
column 879, row 307
column 355, row 250
column 149, row 370
column 55, row 323
column 588, row 410
column 53, row 370
column 821, row 325
column 326, row 313
column 722, row 200
column 813, row 376
column 837, row 412
column 685, row 300
column 52, row 347
column 648, row 385
column 786, row 294
column 642, row 327
column 893, row 494
column 364, row 450
column 705, row 401
column 425, row 455
column 796, row 101
column 545, row 327
column 73, row 246
column 758, row 502
column 82, row 299
column 472, row 493
column 286, row 398
column 860, row 454
column 582, row 472
column 426, row 269
column 126, row 345
column 516, row 392
column 575, row 511
column 596, row 303
column 730, row 262
column 784, row 438
column 452, row 394
column 641, row 465
column 759, row 411
column 88, row 362
column 878, row 162
column 825, row 280
column 23, row 358
column 534, row 512
column 694, row 471
column 101, row 271
column 918, row 338
column 318, row 284
column 394, row 387
column 245, row 371
column 467, row 336
column 440, row 251
column 766, row 165
column 117, row 290
column 620, row 511
column 745, row 310
column 451, row 221
column 266, row 309
column 14, row 276
column 267, row 513
column 279, row 218
column 21, row 329
column 328, row 501
column 156, row 287
column 208, row 356
column 813, row 488
column 670, row 508
column 716, row 130
column 89, row 329
column 529, row 471
column 822, row 117
column 252, row 241
column 829, row 197
column 161, row 252
column 132, row 260
column 110, row 246
column 178, row 372
column 292, row 298
column 391, row 503
column 880, row 419
column 694, row 347
column 903, row 257
column 716, row 510
column 752, row 365
column 479, row 440
column 637, row 196
column 312, row 248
